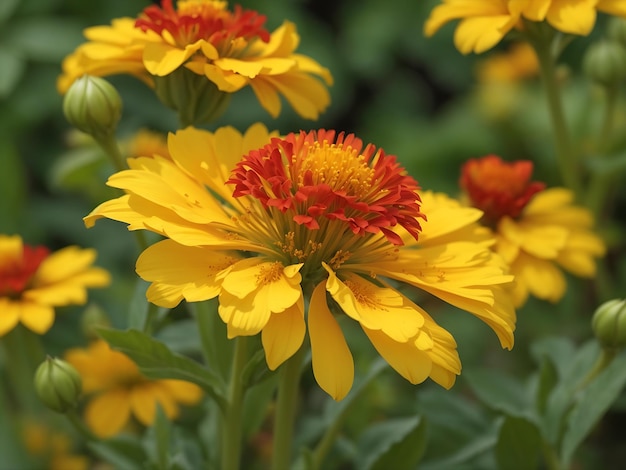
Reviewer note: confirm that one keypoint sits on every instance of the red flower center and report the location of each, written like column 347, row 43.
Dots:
column 499, row 188
column 16, row 275
column 320, row 176
column 202, row 19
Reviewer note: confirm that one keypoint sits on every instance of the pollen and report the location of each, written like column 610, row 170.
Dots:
column 338, row 259
column 340, row 167
column 269, row 272
column 301, row 254
column 363, row 294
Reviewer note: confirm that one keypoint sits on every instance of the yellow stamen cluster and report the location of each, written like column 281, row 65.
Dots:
column 269, row 273
column 341, row 168
column 289, row 247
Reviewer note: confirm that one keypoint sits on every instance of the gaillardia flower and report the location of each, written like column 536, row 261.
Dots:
column 225, row 49
column 33, row 281
column 120, row 391
column 484, row 23
column 537, row 230
column 305, row 229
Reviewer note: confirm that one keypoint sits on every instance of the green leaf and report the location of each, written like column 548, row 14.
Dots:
column 138, row 308
column 547, row 378
column 592, row 404
column 162, row 431
column 12, row 185
column 121, row 452
column 560, row 400
column 518, row 445
column 12, row 66
column 256, row 402
column 7, row 7
column 500, row 392
column 156, row 361
column 396, row 443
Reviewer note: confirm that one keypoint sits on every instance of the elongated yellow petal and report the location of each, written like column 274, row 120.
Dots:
column 283, row 335
column 107, row 413
column 331, row 358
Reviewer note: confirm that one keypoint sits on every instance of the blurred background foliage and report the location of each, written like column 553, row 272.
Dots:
column 417, row 98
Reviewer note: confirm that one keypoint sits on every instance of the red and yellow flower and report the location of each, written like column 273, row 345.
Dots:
column 34, row 281
column 229, row 49
column 119, row 391
column 537, row 230
column 264, row 222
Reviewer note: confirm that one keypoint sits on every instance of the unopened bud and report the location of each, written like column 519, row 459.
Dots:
column 609, row 324
column 605, row 62
column 93, row 318
column 93, row 106
column 58, row 384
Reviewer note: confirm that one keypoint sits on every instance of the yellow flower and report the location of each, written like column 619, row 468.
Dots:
column 230, row 49
column 145, row 143
column 54, row 446
column 33, row 281
column 518, row 63
column 538, row 230
column 263, row 222
column 120, row 390
column 485, row 22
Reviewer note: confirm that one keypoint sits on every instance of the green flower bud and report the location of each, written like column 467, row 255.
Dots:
column 93, row 106
column 58, row 384
column 616, row 30
column 196, row 99
column 609, row 324
column 605, row 62
column 93, row 318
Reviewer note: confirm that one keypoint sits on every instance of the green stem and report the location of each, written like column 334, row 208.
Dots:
column 21, row 354
column 232, row 426
column 550, row 457
column 600, row 184
column 108, row 143
column 286, row 411
column 149, row 325
column 78, row 424
column 542, row 40
column 606, row 357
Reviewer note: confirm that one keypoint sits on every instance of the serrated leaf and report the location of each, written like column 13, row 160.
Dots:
column 500, row 392
column 593, row 403
column 156, row 361
column 519, row 443
column 396, row 443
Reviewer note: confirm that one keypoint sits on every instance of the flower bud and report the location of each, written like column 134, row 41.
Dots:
column 605, row 62
column 58, row 384
column 93, row 318
column 609, row 324
column 93, row 106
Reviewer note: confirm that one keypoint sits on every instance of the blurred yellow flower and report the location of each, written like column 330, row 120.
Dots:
column 263, row 222
column 231, row 49
column 146, row 143
column 484, row 23
column 538, row 230
column 52, row 446
column 120, row 390
column 516, row 64
column 33, row 281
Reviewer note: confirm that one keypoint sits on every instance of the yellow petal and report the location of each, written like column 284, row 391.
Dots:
column 162, row 59
column 577, row 17
column 10, row 315
column 182, row 391
column 411, row 363
column 542, row 278
column 180, row 272
column 332, row 362
column 106, row 414
column 283, row 335
column 482, row 33
column 35, row 317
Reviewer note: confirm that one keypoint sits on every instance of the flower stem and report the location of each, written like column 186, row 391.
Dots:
column 542, row 40
column 76, row 421
column 286, row 411
column 108, row 143
column 600, row 183
column 232, row 426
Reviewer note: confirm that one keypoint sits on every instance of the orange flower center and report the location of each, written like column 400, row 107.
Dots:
column 193, row 20
column 318, row 177
column 16, row 275
column 499, row 188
